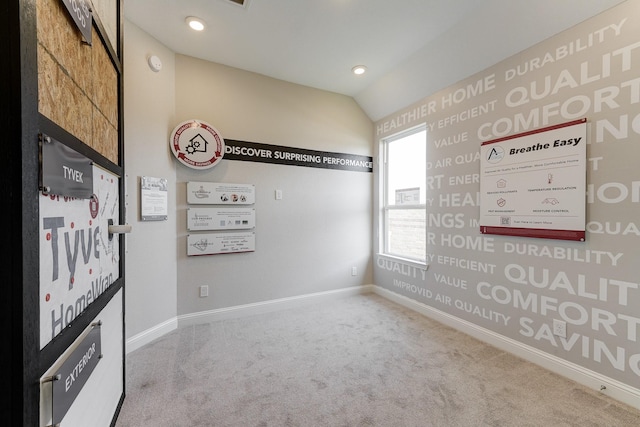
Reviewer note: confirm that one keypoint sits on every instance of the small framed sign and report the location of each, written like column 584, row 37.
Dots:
column 153, row 199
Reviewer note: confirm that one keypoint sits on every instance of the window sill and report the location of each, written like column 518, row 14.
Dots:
column 413, row 263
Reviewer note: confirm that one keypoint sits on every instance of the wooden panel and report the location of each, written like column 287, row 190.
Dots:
column 59, row 36
column 105, row 137
column 60, row 99
column 105, row 86
column 77, row 83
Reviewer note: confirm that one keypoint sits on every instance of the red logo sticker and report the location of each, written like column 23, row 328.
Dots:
column 197, row 144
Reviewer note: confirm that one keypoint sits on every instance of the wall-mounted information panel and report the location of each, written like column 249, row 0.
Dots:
column 153, row 199
column 226, row 218
column 533, row 184
column 221, row 243
column 223, row 218
column 217, row 193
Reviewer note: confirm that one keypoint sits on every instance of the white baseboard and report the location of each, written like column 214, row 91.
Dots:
column 145, row 337
column 268, row 306
column 612, row 388
column 239, row 311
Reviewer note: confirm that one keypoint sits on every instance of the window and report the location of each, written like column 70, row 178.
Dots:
column 404, row 195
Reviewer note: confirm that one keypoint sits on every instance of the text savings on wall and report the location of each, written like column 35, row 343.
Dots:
column 197, row 144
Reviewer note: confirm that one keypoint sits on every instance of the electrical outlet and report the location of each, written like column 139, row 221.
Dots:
column 204, row 291
column 560, row 328
column 354, row 271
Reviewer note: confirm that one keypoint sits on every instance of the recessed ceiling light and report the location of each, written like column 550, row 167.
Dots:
column 195, row 23
column 359, row 69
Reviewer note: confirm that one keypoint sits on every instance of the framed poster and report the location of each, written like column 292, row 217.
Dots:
column 534, row 184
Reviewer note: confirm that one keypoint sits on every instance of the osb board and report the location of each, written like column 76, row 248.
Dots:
column 60, row 37
column 105, row 94
column 77, row 83
column 104, row 136
column 61, row 99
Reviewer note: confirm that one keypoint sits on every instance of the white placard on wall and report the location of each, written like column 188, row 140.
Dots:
column 153, row 199
column 221, row 243
column 220, row 193
column 227, row 218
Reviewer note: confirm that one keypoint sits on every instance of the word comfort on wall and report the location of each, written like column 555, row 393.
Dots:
column 517, row 286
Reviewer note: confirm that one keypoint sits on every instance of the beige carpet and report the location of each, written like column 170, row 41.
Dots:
column 358, row 361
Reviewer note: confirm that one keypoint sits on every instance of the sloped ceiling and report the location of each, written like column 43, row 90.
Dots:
column 411, row 48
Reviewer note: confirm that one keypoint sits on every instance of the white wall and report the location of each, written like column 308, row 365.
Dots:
column 308, row 241
column 149, row 104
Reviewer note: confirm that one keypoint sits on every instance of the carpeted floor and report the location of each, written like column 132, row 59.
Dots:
column 357, row 361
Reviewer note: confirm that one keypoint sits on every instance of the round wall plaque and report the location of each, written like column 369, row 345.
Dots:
column 197, row 144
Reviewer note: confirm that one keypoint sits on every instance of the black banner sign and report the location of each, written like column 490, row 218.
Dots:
column 278, row 154
column 65, row 172
column 74, row 373
column 80, row 11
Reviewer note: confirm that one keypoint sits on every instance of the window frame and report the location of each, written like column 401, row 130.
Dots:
column 386, row 207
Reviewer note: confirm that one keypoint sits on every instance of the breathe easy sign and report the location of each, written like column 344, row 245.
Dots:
column 533, row 184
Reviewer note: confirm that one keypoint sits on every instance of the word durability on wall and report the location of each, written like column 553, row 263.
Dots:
column 517, row 286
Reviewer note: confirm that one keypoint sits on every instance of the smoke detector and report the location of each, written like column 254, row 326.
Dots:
column 242, row 3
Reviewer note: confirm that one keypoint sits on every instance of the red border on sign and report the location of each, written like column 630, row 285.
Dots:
column 541, row 233
column 533, row 132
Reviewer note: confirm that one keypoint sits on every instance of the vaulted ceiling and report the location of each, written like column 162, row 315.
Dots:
column 411, row 48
